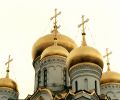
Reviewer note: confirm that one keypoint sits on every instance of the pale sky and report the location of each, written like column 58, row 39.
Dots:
column 22, row 22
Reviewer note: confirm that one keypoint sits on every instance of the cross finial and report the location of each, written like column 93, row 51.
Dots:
column 55, row 25
column 55, row 17
column 83, row 30
column 108, row 60
column 8, row 63
column 83, row 24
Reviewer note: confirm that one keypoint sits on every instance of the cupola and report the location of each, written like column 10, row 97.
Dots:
column 42, row 43
column 84, row 53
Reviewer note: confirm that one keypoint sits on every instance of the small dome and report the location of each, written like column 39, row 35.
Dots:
column 47, row 40
column 84, row 54
column 8, row 83
column 54, row 50
column 110, row 77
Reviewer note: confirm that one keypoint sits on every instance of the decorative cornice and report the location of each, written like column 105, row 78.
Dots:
column 53, row 59
column 8, row 90
column 85, row 69
column 84, row 64
column 49, row 60
column 110, row 85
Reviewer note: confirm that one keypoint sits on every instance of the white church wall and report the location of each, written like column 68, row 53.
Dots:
column 111, row 89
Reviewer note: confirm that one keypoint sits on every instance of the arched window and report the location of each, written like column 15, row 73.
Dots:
column 95, row 86
column 76, row 86
column 65, row 77
column 86, row 84
column 45, row 77
column 39, row 77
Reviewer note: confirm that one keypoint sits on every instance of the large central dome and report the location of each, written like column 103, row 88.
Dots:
column 48, row 40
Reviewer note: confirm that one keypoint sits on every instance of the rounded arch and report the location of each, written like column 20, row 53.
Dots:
column 86, row 84
column 76, row 86
column 45, row 77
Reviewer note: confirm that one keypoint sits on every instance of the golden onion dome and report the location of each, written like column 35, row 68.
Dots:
column 54, row 50
column 47, row 40
column 84, row 54
column 8, row 83
column 110, row 77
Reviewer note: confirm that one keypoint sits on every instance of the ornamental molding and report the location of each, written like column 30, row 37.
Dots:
column 7, row 91
column 85, row 69
column 86, row 65
column 110, row 86
column 52, row 60
column 38, row 64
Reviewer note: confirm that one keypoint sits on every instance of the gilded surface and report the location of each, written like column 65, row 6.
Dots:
column 85, row 54
column 8, row 83
column 48, row 40
column 54, row 50
column 110, row 77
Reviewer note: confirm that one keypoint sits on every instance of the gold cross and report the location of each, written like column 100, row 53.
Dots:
column 55, row 17
column 82, row 24
column 108, row 60
column 8, row 63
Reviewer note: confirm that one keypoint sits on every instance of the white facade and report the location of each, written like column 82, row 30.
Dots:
column 85, row 76
column 112, row 90
column 51, row 73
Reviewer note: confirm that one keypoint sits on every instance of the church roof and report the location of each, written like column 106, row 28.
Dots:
column 42, row 43
column 110, row 77
column 8, row 83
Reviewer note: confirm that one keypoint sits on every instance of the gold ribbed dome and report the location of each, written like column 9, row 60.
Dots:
column 54, row 50
column 8, row 83
column 47, row 40
column 84, row 54
column 110, row 77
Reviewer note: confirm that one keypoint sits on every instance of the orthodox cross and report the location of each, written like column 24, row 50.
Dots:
column 108, row 60
column 55, row 17
column 55, row 25
column 8, row 63
column 82, row 24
